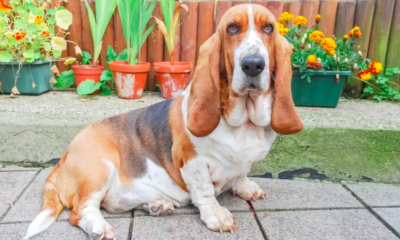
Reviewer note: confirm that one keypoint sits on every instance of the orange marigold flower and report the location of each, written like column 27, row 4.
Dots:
column 19, row 36
column 345, row 37
column 356, row 31
column 316, row 36
column 300, row 21
column 376, row 67
column 4, row 7
column 45, row 33
column 285, row 17
column 39, row 20
column 329, row 45
column 318, row 18
column 282, row 29
column 312, row 60
column 365, row 75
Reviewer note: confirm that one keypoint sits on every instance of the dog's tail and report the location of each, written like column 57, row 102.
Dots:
column 52, row 206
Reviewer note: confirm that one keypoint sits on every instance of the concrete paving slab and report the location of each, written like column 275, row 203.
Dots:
column 376, row 194
column 226, row 199
column 288, row 194
column 12, row 184
column 191, row 227
column 30, row 203
column 13, row 168
column 62, row 230
column 357, row 224
column 391, row 216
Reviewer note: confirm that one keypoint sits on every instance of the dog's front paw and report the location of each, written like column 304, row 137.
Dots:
column 249, row 190
column 218, row 219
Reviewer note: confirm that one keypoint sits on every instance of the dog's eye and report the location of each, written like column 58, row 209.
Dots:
column 233, row 29
column 268, row 28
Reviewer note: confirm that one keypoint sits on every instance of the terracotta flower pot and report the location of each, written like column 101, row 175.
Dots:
column 173, row 79
column 130, row 80
column 87, row 72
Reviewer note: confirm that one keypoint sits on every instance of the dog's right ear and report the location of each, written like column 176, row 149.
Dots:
column 204, row 105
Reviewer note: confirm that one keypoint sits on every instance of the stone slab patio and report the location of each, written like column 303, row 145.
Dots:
column 298, row 210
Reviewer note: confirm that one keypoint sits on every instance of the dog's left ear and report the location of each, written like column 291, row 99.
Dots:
column 284, row 116
column 204, row 104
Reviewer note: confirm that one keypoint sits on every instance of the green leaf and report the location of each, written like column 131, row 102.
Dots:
column 46, row 46
column 28, row 53
column 38, row 12
column 65, row 80
column 86, row 57
column 88, row 87
column 57, row 54
column 111, row 54
column 105, row 90
column 6, row 56
column 50, row 12
column 32, row 28
column 37, row 55
column 51, row 20
column 123, row 56
column 63, row 19
column 106, row 75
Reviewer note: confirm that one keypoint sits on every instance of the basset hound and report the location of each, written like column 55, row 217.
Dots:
column 187, row 150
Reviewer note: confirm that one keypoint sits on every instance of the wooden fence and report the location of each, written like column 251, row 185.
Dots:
column 380, row 27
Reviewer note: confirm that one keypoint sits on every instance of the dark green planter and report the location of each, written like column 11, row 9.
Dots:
column 323, row 90
column 38, row 71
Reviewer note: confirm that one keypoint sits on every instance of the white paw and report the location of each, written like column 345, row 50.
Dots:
column 159, row 208
column 218, row 219
column 99, row 230
column 249, row 190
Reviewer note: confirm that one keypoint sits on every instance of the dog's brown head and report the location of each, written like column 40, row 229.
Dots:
column 237, row 61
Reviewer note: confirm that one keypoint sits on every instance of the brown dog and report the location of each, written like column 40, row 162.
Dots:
column 187, row 150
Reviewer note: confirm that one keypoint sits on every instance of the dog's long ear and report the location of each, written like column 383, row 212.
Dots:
column 284, row 116
column 204, row 110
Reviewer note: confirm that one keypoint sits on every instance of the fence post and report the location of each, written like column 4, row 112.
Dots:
column 345, row 17
column 189, row 35
column 75, row 30
column 222, row 7
column 310, row 9
column 293, row 7
column 276, row 7
column 328, row 10
column 393, row 59
column 205, row 25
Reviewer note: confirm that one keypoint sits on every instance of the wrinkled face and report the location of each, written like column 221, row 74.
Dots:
column 248, row 37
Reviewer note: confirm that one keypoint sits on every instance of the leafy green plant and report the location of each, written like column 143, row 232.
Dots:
column 135, row 14
column 104, row 11
column 28, row 31
column 384, row 89
column 168, row 27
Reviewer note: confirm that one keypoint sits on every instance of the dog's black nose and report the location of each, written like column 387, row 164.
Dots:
column 253, row 65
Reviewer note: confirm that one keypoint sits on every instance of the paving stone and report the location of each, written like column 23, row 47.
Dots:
column 18, row 169
column 62, row 230
column 12, row 184
column 289, row 194
column 191, row 227
column 226, row 199
column 30, row 203
column 377, row 194
column 356, row 224
column 391, row 216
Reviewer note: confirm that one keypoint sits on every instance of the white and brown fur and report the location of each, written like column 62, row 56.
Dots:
column 182, row 151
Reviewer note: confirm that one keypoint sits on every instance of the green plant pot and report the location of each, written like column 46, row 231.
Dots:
column 38, row 72
column 321, row 89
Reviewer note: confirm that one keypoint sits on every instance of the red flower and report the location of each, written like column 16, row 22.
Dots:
column 4, row 7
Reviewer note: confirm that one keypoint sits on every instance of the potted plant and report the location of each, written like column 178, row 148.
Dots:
column 29, row 44
column 130, row 76
column 172, row 76
column 92, row 71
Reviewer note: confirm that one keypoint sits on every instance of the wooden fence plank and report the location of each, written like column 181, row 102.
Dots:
column 393, row 59
column 155, row 47
column 327, row 9
column 222, row 7
column 86, row 30
column 310, row 9
column 363, row 18
column 108, row 40
column 293, row 7
column 276, row 7
column 120, row 42
column 205, row 24
column 381, row 30
column 238, row 2
column 345, row 17
column 189, row 35
column 75, row 30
